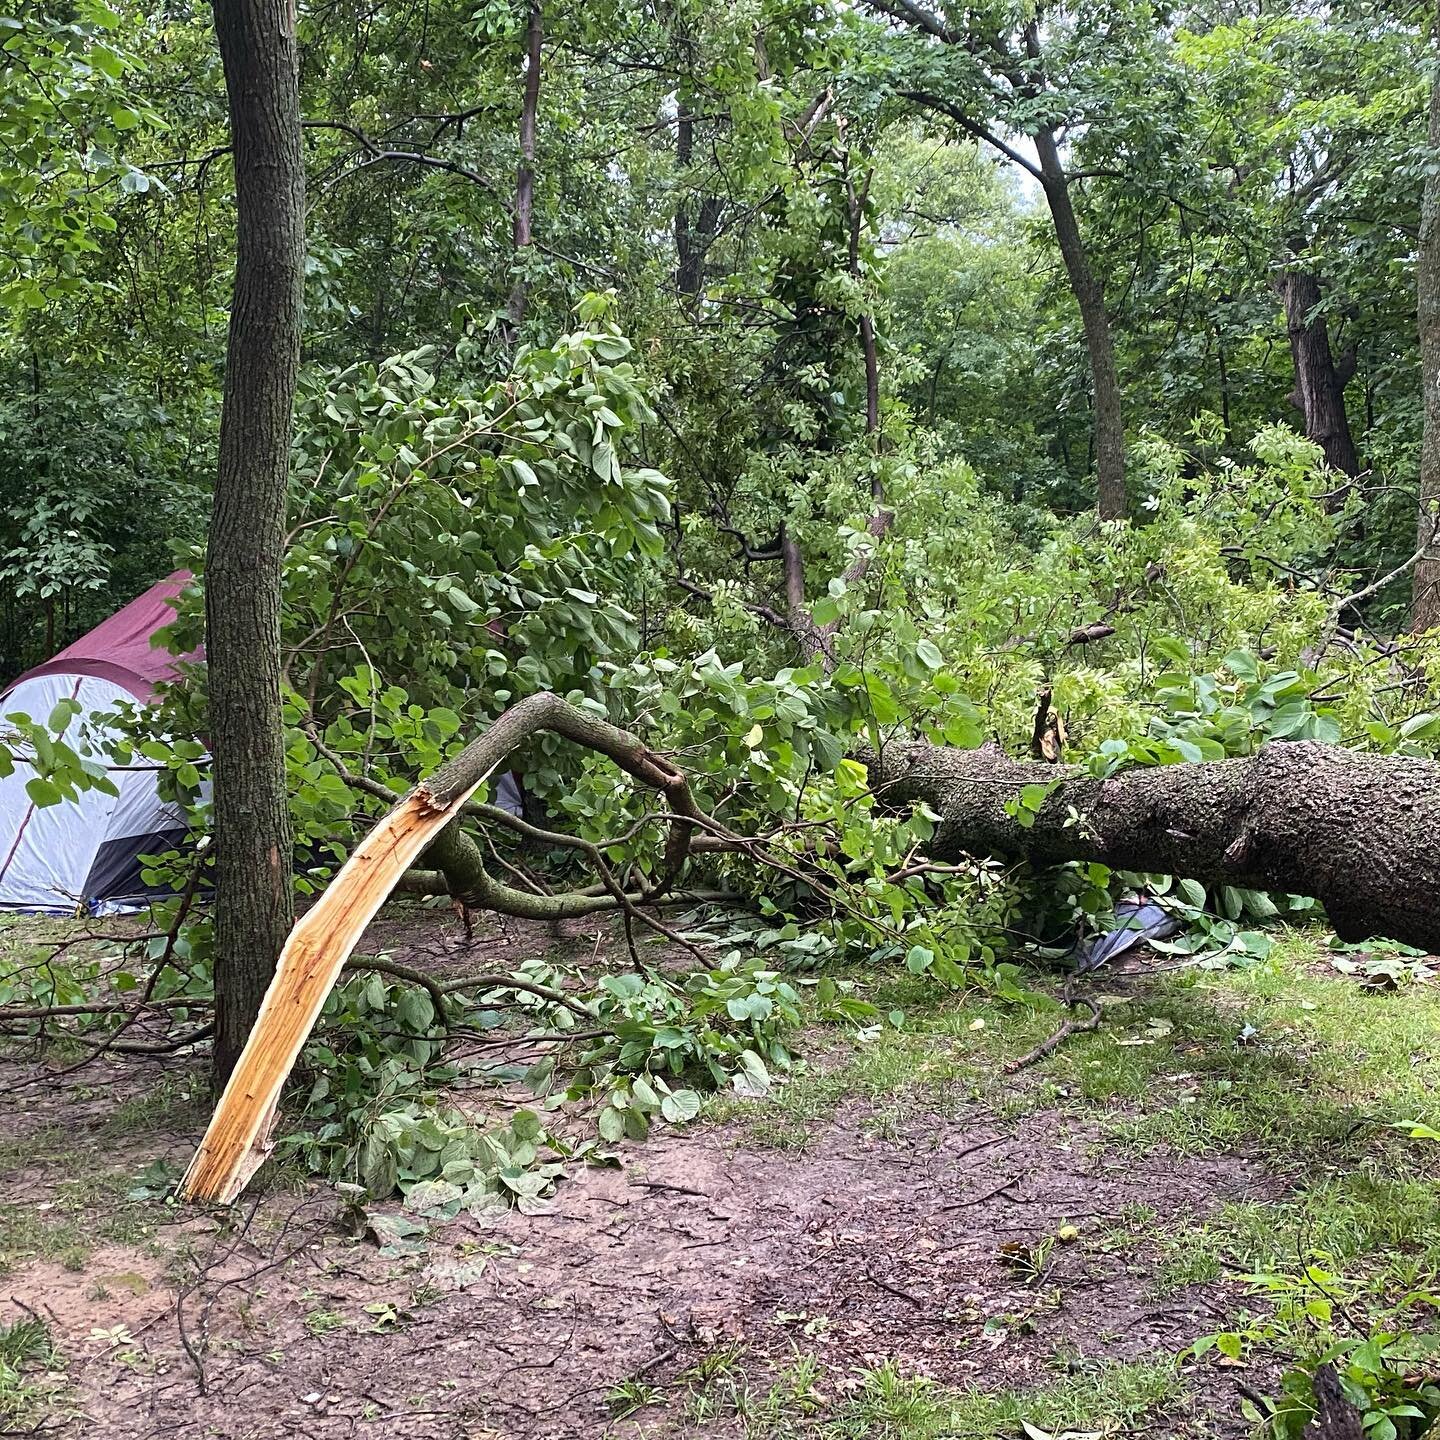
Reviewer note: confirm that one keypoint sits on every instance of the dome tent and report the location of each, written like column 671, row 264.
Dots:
column 83, row 856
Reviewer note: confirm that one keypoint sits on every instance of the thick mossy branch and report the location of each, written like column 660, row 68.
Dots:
column 460, row 860
column 1361, row 833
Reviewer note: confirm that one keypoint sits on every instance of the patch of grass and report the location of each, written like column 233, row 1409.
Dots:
column 87, row 1211
column 172, row 1103
column 803, row 1401
column 324, row 1322
column 629, row 1396
column 49, row 1148
column 1277, row 1060
column 1383, row 1232
column 1107, row 1397
column 939, row 1061
column 28, row 1365
column 27, row 1233
column 1325, row 1086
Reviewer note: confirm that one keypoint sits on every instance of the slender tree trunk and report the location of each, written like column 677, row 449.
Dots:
column 1224, row 380
column 1319, row 381
column 692, row 238
column 869, row 346
column 525, row 173
column 1426, row 610
column 816, row 641
column 1109, row 442
column 247, row 526
column 687, row 267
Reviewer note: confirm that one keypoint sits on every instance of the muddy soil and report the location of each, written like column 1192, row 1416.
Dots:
column 920, row 1250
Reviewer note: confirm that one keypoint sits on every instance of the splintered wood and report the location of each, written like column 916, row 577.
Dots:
column 238, row 1139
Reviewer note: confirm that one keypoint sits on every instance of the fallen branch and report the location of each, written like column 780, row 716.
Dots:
column 99, row 1007
column 1051, row 1043
column 425, row 822
column 1359, row 832
column 439, row 989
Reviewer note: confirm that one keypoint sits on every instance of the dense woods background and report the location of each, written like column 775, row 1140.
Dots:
column 1232, row 209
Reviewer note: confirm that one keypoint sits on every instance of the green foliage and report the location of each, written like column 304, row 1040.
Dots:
column 1390, row 1380
column 65, row 115
column 375, row 1115
column 27, row 1350
column 58, row 770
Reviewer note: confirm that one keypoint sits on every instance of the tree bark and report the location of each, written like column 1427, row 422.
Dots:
column 1426, row 607
column 525, row 172
column 1335, row 1417
column 1089, row 295
column 692, row 239
column 1361, row 833
column 253, row 901
column 1319, row 381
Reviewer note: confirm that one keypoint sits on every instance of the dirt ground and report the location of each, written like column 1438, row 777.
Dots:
column 935, row 1244
column 857, row 1250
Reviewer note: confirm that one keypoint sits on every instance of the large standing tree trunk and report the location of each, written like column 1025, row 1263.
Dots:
column 1319, row 380
column 1099, row 344
column 247, row 527
column 1361, row 833
column 1426, row 611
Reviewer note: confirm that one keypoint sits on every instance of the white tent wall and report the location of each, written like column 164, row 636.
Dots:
column 49, row 854
column 140, row 824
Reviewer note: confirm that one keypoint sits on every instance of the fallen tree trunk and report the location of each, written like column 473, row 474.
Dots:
column 1361, row 833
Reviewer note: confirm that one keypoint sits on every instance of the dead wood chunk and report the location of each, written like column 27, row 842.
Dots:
column 1087, row 634
column 1336, row 1418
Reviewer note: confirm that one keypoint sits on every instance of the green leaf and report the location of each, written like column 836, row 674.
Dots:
column 680, row 1105
column 525, row 1125
column 416, row 1011
column 1192, row 892
column 43, row 792
column 919, row 959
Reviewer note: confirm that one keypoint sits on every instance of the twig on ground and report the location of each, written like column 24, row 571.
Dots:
column 1000, row 1189
column 890, row 1289
column 1053, row 1042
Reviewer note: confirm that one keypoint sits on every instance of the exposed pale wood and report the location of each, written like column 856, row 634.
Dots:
column 238, row 1138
